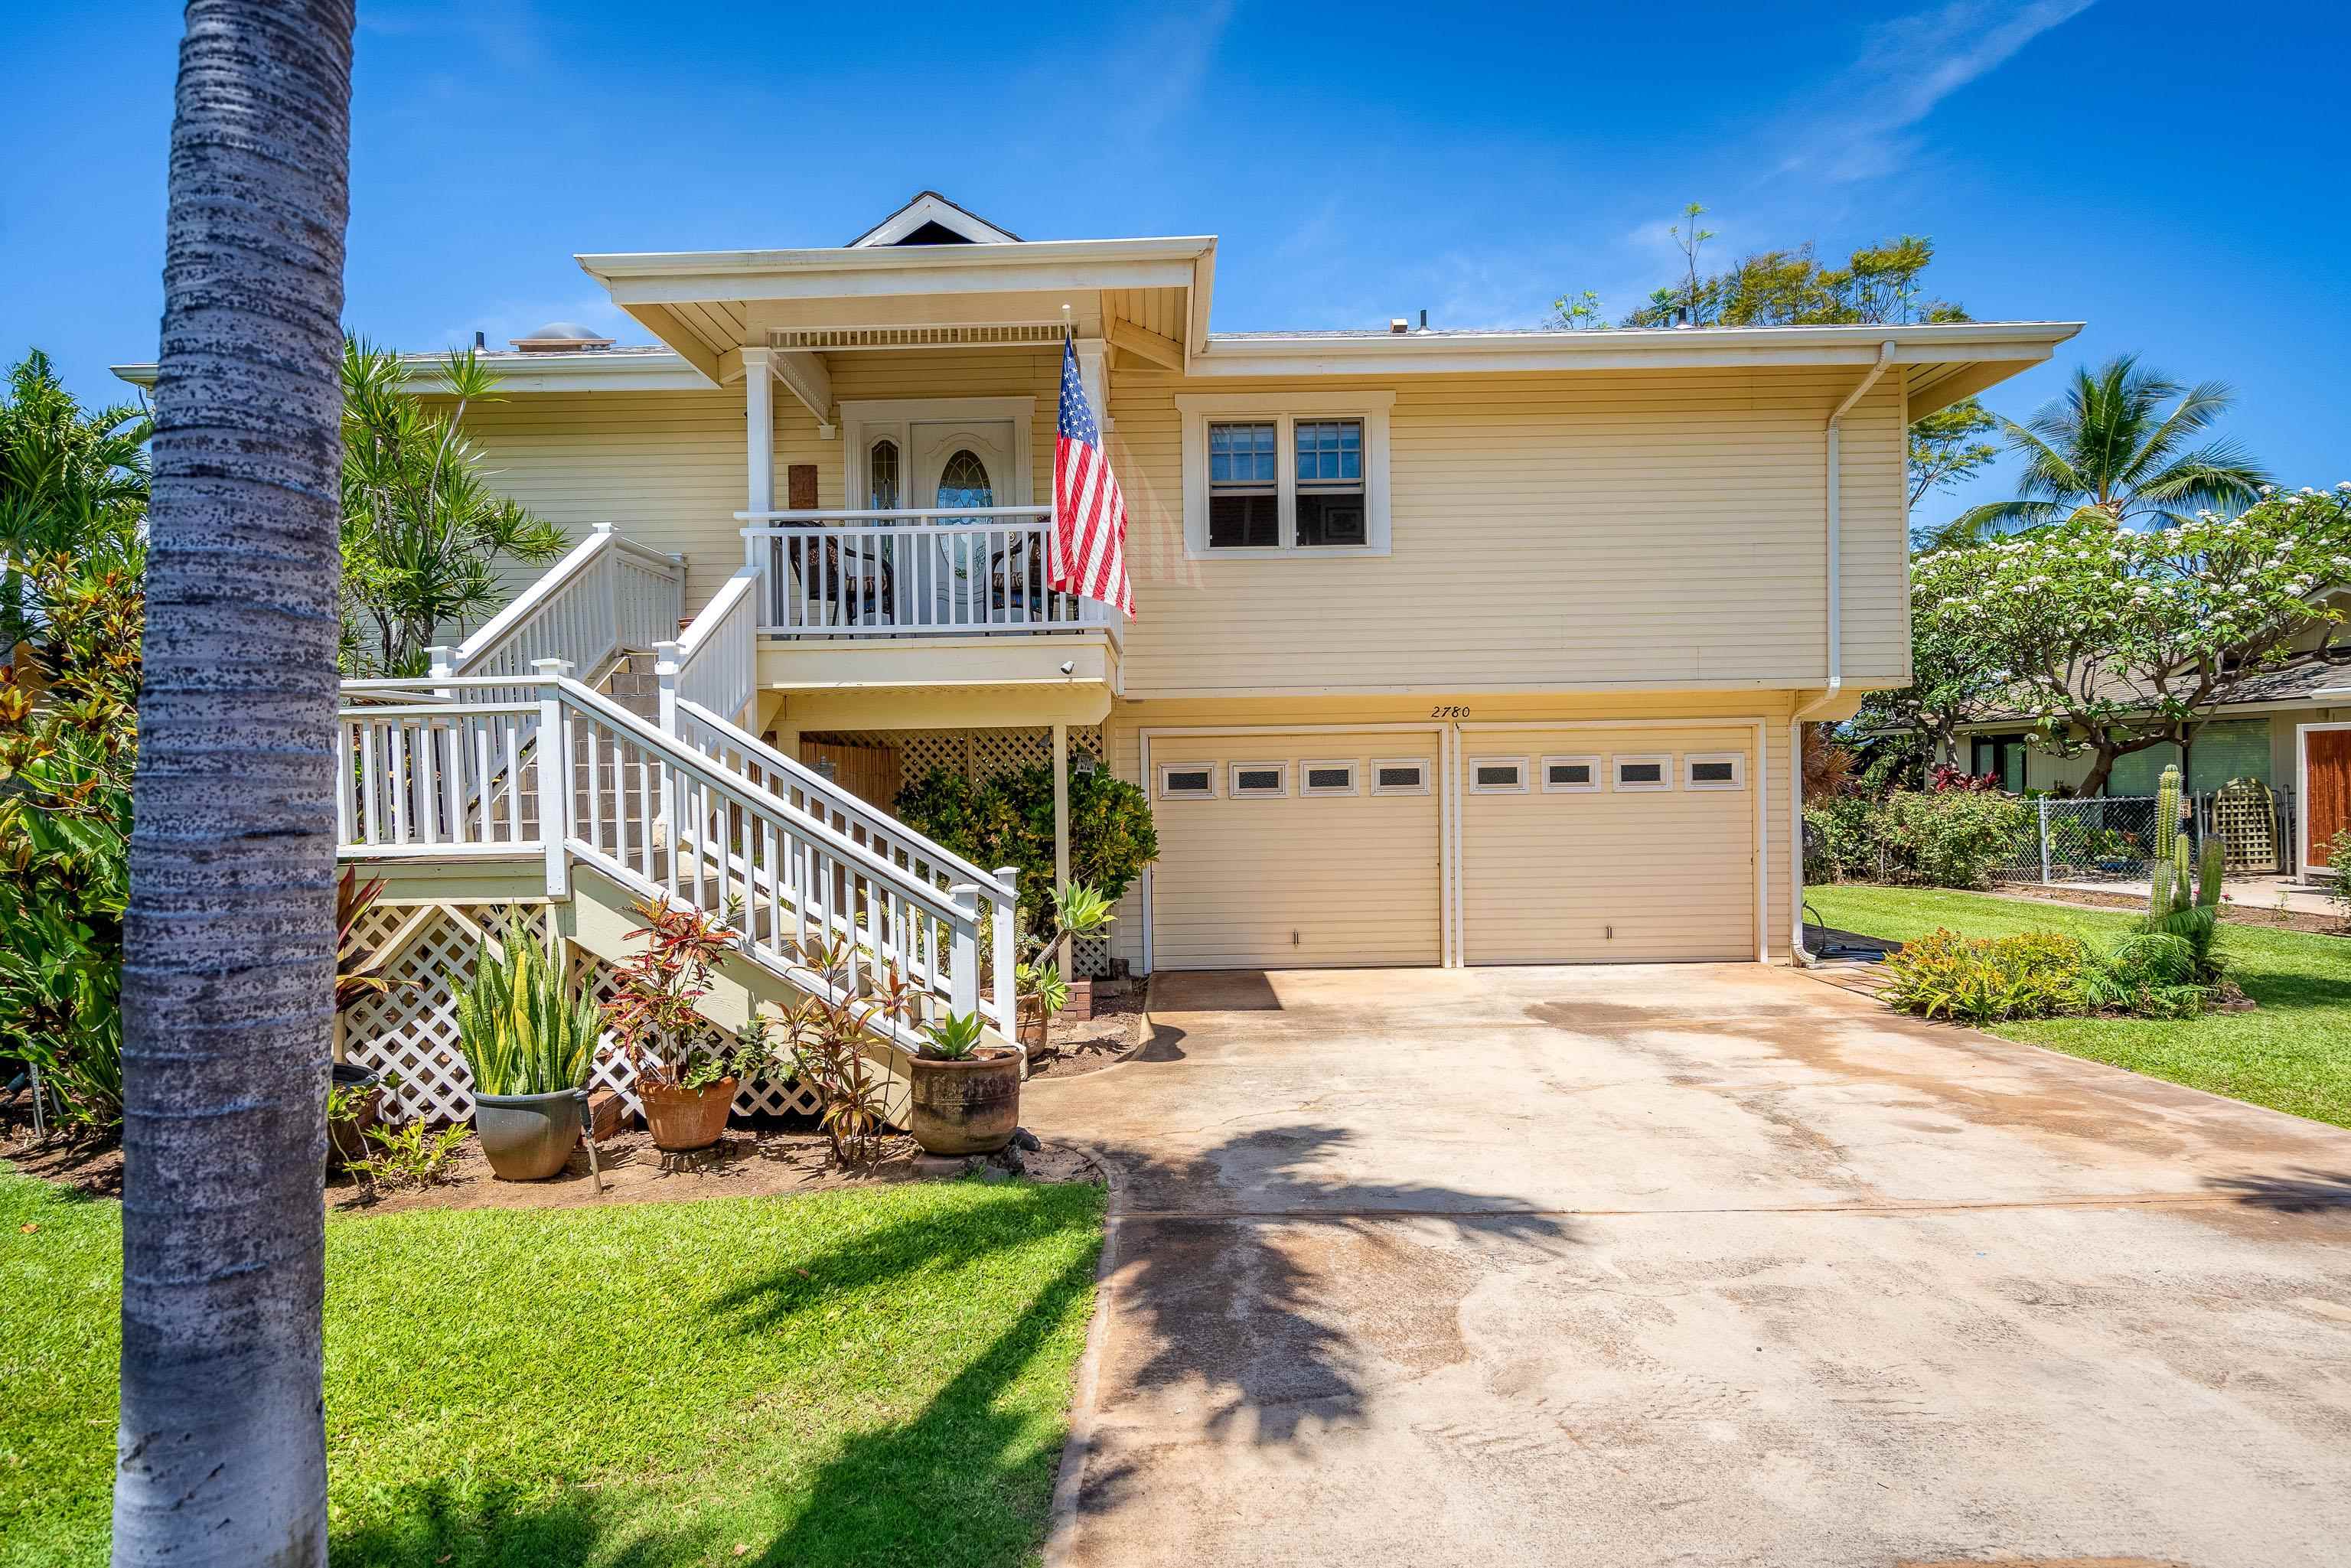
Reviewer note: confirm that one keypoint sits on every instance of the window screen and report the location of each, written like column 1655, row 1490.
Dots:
column 1569, row 774
column 1187, row 779
column 1400, row 776
column 1715, row 771
column 1256, row 777
column 1327, row 778
column 1498, row 775
column 1643, row 773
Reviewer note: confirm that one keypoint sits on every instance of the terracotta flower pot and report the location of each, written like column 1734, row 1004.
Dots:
column 682, row 1120
column 527, row 1137
column 968, row 1107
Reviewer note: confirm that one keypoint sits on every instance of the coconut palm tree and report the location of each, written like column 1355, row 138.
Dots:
column 2109, row 446
column 228, row 977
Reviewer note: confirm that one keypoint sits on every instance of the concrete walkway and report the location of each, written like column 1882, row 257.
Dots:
column 1692, row 1265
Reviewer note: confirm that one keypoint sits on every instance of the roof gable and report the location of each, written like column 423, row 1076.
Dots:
column 930, row 219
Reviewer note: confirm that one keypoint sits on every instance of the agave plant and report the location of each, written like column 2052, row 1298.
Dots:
column 953, row 1037
column 521, row 1029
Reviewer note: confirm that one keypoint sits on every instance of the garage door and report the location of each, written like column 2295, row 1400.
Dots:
column 1290, row 850
column 1607, row 846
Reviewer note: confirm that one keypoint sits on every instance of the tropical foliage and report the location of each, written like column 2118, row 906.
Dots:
column 423, row 532
column 653, row 1014
column 2127, row 442
column 522, row 1029
column 73, row 482
column 828, row 1037
column 66, row 762
column 1989, row 979
column 2112, row 640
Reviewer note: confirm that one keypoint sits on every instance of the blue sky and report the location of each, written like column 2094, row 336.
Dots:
column 2174, row 175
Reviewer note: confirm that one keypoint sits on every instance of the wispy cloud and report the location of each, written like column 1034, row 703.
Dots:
column 1163, row 67
column 1908, row 66
column 509, row 33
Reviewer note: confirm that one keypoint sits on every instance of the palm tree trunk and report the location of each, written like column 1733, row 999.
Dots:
column 229, row 976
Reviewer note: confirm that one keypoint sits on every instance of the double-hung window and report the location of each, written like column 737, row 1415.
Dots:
column 1282, row 473
column 1244, row 493
column 1329, row 482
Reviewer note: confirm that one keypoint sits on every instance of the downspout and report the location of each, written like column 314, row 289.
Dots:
column 1834, row 429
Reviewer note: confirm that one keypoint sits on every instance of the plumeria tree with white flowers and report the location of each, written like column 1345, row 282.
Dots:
column 2113, row 640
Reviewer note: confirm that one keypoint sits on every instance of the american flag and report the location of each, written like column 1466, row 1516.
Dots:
column 1089, row 512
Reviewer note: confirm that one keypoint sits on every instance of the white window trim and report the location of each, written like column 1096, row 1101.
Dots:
column 1233, row 771
column 1738, row 760
column 1208, row 767
column 1285, row 409
column 1598, row 765
column 1665, row 761
column 1477, row 788
column 1379, row 762
column 1354, row 776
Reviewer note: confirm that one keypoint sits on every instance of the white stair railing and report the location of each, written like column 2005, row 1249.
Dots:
column 714, row 662
column 458, row 779
column 608, row 595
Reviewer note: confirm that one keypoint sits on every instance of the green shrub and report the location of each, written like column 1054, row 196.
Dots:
column 2338, row 865
column 1944, row 838
column 1988, row 979
column 1009, row 821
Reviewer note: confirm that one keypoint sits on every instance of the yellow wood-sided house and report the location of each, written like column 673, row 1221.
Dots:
column 1449, row 647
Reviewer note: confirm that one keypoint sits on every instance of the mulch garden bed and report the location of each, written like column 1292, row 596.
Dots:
column 1110, row 1037
column 745, row 1163
column 2230, row 914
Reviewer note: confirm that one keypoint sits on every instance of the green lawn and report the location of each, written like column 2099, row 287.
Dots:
column 2294, row 1052
column 869, row 1377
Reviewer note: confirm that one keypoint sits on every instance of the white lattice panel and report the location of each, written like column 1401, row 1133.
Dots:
column 976, row 754
column 411, row 1031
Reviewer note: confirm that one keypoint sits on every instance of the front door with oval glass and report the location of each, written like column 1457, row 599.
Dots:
column 957, row 464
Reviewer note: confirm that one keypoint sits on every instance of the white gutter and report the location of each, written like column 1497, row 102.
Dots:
column 1834, row 429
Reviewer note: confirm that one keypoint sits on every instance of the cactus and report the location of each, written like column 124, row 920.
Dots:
column 2168, row 872
column 2209, row 874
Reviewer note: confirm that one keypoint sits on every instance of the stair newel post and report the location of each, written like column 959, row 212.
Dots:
column 554, row 774
column 963, row 980
column 665, row 663
column 1008, row 936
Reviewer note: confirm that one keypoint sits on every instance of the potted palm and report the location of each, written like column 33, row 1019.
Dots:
column 529, row 1044
column 966, row 1094
column 683, row 1082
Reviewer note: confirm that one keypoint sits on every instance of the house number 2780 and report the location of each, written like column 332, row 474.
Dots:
column 1449, row 710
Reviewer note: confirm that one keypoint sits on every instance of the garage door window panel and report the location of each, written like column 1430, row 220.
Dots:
column 1259, row 780
column 1714, row 770
column 1327, row 778
column 1498, row 775
column 1188, row 781
column 1400, row 776
column 1570, row 775
column 1643, row 773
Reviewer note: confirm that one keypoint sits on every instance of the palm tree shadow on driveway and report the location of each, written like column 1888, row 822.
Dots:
column 1244, row 1310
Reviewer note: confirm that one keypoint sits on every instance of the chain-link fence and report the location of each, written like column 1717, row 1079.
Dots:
column 2112, row 838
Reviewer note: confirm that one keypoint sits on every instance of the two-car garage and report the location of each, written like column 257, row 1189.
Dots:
column 1629, row 841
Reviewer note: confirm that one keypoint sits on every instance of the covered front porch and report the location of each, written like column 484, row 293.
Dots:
column 900, row 398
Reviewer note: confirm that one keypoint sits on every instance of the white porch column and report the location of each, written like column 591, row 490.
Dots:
column 1061, row 827
column 759, row 429
column 1093, row 372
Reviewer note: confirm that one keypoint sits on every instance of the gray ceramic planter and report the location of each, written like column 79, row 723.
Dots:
column 527, row 1137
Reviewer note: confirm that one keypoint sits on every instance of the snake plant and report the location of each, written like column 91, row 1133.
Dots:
column 520, row 1028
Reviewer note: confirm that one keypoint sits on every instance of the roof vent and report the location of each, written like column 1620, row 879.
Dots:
column 560, row 338
column 1399, row 324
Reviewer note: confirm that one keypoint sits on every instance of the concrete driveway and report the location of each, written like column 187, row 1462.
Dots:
column 1692, row 1265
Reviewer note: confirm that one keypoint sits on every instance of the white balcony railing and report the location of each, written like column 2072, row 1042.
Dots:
column 922, row 571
